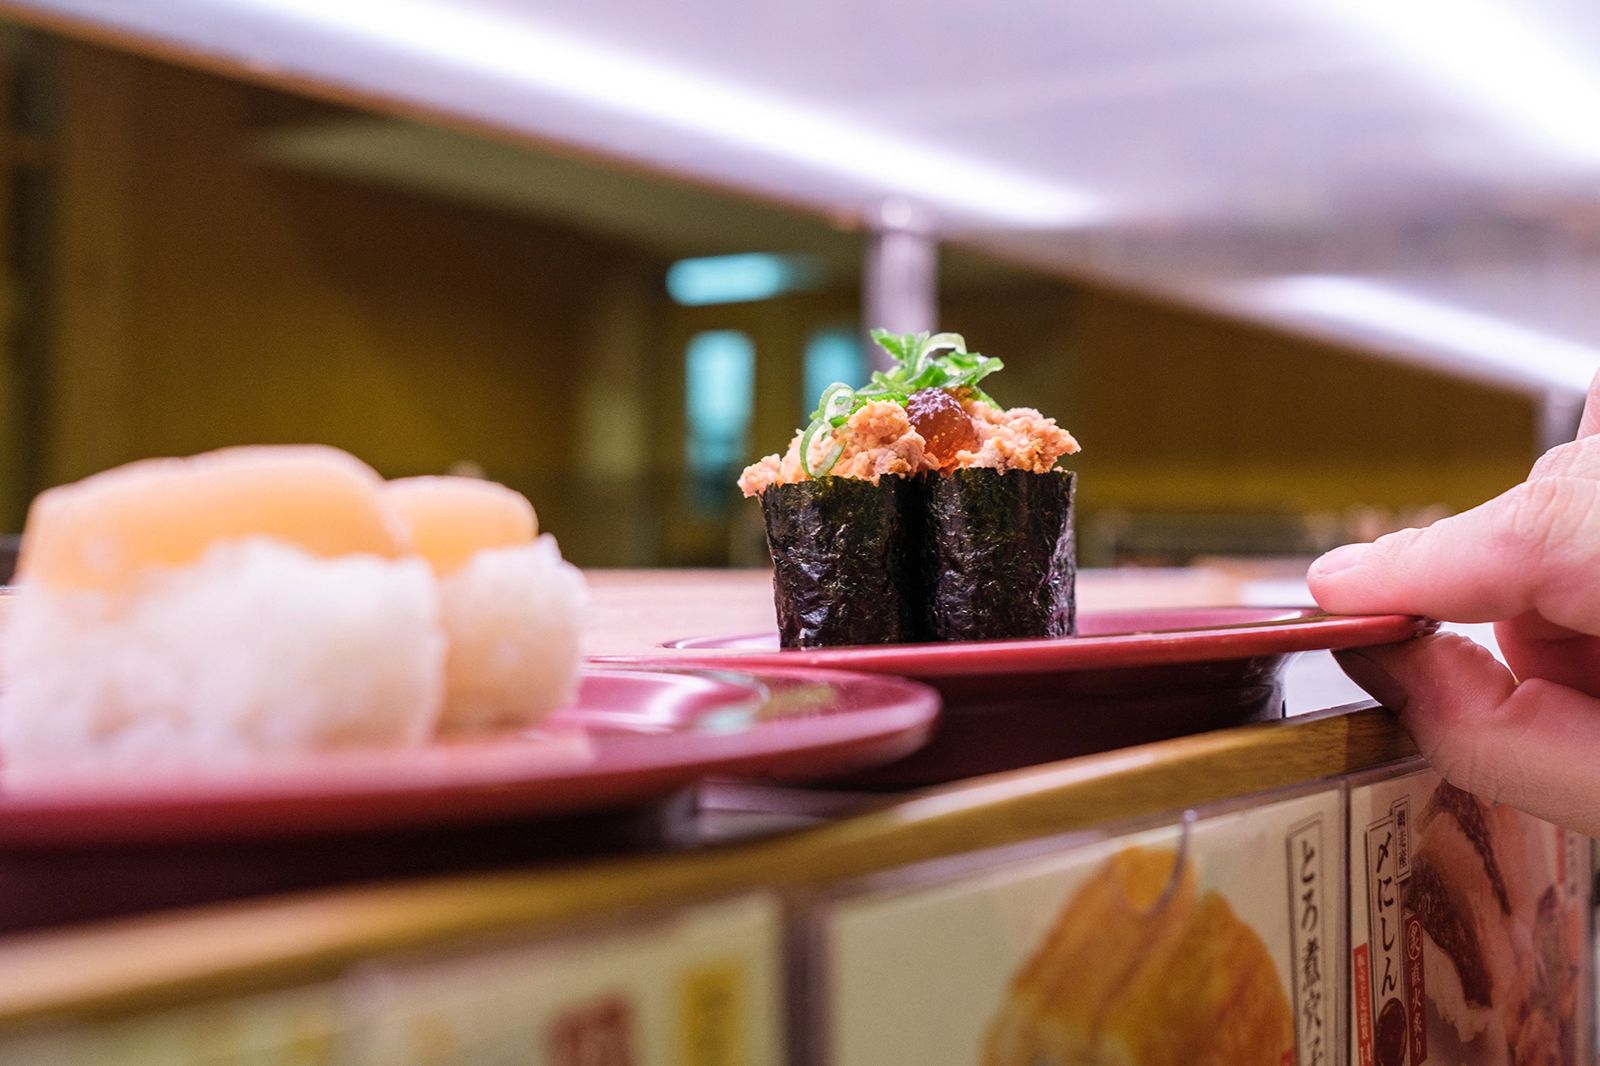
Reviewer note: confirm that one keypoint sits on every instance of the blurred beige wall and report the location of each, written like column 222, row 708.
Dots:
column 203, row 299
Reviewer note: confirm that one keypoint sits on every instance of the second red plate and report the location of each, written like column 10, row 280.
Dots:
column 630, row 737
column 1128, row 677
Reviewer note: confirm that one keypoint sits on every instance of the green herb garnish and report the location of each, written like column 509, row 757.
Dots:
column 918, row 366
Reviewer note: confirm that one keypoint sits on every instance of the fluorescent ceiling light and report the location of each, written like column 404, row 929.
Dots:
column 732, row 279
column 1447, row 337
column 521, row 55
column 1495, row 54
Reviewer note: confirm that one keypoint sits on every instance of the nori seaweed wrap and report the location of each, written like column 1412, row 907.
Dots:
column 997, row 554
column 844, row 561
column 915, row 508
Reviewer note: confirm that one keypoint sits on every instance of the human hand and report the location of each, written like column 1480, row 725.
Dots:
column 1528, row 561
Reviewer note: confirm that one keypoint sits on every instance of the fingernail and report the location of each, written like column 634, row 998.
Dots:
column 1366, row 671
column 1340, row 559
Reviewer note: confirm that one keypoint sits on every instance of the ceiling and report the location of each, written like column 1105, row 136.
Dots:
column 1422, row 178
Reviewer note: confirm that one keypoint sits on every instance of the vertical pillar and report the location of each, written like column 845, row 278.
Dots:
column 900, row 277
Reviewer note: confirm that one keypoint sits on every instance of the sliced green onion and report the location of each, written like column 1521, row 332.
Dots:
column 832, row 460
column 919, row 365
column 805, row 448
column 837, row 400
column 805, row 451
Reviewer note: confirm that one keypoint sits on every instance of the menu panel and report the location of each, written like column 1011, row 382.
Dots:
column 1214, row 941
column 699, row 987
column 1468, row 930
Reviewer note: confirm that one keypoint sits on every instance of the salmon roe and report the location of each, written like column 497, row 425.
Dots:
column 941, row 421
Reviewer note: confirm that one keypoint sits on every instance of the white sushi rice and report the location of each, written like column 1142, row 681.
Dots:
column 512, row 617
column 256, row 651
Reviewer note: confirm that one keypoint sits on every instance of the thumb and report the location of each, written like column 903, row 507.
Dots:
column 1531, row 745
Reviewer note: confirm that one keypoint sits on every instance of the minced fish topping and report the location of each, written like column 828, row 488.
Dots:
column 882, row 437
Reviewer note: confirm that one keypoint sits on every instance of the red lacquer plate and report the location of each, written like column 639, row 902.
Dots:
column 1128, row 677
column 631, row 736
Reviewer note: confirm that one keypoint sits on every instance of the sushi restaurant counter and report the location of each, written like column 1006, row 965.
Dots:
column 758, row 935
column 694, row 936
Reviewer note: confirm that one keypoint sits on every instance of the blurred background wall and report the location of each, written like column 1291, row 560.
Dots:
column 194, row 262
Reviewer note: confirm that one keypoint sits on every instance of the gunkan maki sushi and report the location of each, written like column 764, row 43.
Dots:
column 916, row 508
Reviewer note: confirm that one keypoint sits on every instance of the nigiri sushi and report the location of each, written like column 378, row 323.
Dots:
column 508, row 602
column 110, row 527
column 246, row 604
column 916, row 508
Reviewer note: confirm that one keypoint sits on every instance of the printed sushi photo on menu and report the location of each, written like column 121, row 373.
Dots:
column 1468, row 929
column 916, row 508
column 1211, row 944
column 1139, row 941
